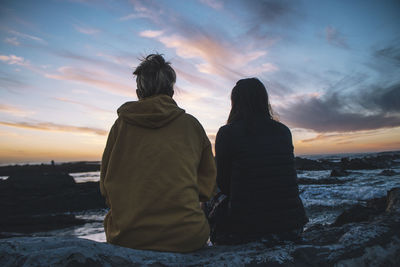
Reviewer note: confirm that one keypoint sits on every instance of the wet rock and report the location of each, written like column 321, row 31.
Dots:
column 360, row 213
column 308, row 164
column 367, row 163
column 388, row 173
column 393, row 200
column 357, row 213
column 321, row 181
column 339, row 173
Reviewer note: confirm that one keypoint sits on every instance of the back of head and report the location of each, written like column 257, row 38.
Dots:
column 154, row 76
column 249, row 99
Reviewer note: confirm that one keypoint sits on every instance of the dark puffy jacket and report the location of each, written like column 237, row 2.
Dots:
column 255, row 165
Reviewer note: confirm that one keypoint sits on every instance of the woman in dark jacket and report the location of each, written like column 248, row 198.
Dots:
column 255, row 170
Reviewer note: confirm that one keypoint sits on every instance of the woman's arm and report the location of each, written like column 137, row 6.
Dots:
column 224, row 163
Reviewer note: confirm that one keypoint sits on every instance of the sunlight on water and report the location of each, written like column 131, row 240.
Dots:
column 83, row 177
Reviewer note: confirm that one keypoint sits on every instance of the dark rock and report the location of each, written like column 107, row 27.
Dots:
column 36, row 197
column 308, row 164
column 41, row 182
column 339, row 173
column 393, row 200
column 69, row 167
column 367, row 163
column 321, row 181
column 357, row 213
column 40, row 223
column 388, row 173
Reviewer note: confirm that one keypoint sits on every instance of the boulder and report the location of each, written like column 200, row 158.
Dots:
column 321, row 181
column 308, row 164
column 393, row 200
column 360, row 213
column 367, row 163
column 388, row 173
column 29, row 201
column 339, row 173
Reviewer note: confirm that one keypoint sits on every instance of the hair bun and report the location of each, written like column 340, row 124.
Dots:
column 152, row 63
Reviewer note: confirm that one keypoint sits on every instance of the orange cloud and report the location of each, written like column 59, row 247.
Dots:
column 15, row 110
column 14, row 60
column 49, row 126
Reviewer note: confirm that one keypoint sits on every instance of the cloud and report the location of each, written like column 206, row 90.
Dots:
column 145, row 9
column 341, row 112
column 12, row 41
column 53, row 127
column 390, row 53
column 215, row 4
column 150, row 34
column 340, row 138
column 336, row 38
column 87, row 30
column 212, row 50
column 217, row 57
column 86, row 105
column 14, row 60
column 95, row 78
column 27, row 36
column 16, row 111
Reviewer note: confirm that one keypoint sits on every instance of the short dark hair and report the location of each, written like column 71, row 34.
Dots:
column 154, row 76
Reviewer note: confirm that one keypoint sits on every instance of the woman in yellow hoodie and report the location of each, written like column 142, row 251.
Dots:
column 156, row 168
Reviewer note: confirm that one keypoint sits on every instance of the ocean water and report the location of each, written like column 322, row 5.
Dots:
column 323, row 202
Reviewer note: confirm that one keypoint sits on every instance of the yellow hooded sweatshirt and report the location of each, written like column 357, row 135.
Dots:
column 156, row 167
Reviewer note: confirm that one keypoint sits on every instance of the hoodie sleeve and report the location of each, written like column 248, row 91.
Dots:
column 206, row 172
column 106, row 157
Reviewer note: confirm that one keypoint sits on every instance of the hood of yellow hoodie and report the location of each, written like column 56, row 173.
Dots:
column 150, row 112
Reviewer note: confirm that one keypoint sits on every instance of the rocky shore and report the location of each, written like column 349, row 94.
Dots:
column 372, row 240
column 38, row 198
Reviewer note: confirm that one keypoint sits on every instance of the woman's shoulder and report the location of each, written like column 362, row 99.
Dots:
column 280, row 125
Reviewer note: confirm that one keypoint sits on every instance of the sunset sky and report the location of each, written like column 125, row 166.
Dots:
column 332, row 69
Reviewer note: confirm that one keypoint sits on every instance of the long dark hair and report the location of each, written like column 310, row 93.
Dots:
column 249, row 99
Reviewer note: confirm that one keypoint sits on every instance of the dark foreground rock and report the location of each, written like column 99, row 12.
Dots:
column 321, row 181
column 373, row 241
column 29, row 202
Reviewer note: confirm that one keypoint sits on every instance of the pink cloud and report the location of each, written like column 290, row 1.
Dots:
column 98, row 79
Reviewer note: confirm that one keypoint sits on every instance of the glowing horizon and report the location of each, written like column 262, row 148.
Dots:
column 332, row 72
